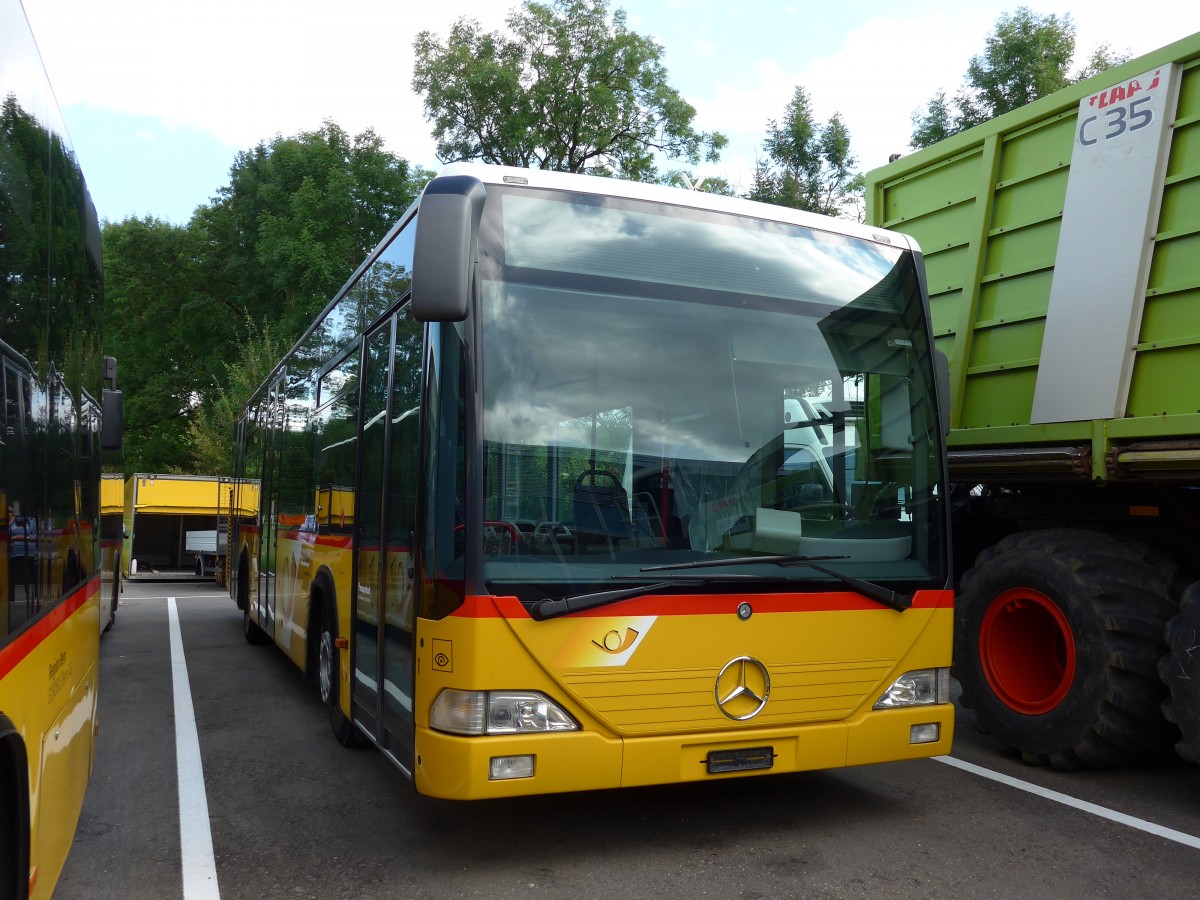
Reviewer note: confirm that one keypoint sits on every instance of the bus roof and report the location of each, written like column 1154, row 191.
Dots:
column 611, row 187
column 636, row 190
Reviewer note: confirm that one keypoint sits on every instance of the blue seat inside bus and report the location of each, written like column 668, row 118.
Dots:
column 601, row 508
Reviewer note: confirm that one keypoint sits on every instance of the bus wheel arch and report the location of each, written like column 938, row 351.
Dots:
column 14, row 812
column 1094, row 608
column 325, row 652
column 318, row 601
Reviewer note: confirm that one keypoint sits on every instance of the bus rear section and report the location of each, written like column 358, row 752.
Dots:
column 645, row 486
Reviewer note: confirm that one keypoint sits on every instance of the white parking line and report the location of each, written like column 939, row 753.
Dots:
column 195, row 836
column 189, row 596
column 1103, row 812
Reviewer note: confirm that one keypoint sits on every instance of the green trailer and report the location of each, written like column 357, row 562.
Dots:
column 1062, row 246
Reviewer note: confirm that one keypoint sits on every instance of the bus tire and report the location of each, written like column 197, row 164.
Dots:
column 1058, row 636
column 1180, row 671
column 328, row 666
column 255, row 636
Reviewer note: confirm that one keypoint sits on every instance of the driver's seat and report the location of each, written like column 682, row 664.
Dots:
column 601, row 510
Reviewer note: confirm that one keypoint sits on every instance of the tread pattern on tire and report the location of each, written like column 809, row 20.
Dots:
column 1180, row 672
column 1118, row 605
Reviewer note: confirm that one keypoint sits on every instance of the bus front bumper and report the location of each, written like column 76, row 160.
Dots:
column 463, row 768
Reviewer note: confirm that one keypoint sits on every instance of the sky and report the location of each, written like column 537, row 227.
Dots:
column 160, row 95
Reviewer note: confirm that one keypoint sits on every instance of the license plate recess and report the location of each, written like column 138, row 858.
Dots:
column 742, row 759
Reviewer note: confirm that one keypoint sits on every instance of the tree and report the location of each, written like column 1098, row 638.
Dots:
column 210, row 428
column 809, row 165
column 936, row 124
column 568, row 88
column 1102, row 58
column 297, row 217
column 155, row 322
column 191, row 306
column 1025, row 58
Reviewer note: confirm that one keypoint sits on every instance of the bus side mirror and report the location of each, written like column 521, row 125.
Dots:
column 941, row 368
column 444, row 248
column 112, row 425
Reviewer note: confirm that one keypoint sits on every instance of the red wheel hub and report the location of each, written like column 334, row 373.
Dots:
column 1027, row 651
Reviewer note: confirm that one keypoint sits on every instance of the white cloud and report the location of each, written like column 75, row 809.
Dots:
column 244, row 70
column 888, row 68
column 875, row 100
column 247, row 69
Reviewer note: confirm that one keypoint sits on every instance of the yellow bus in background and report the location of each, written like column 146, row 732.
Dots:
column 580, row 483
column 58, row 425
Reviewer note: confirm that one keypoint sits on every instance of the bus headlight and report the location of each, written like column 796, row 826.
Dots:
column 922, row 687
column 498, row 712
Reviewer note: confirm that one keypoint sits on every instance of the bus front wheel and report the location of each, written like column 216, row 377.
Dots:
column 329, row 671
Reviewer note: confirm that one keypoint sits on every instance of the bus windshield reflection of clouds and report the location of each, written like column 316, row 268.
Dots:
column 705, row 420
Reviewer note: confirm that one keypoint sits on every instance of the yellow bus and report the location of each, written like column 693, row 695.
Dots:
column 581, row 484
column 57, row 422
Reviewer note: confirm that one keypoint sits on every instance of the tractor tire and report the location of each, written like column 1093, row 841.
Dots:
column 1058, row 637
column 1180, row 671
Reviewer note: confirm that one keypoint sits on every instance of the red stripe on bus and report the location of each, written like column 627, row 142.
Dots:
column 485, row 606
column 28, row 640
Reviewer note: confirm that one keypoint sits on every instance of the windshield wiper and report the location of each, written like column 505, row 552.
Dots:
column 561, row 606
column 737, row 561
column 549, row 609
column 870, row 590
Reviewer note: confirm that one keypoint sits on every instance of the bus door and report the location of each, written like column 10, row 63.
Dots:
column 269, row 500
column 368, row 516
column 384, row 614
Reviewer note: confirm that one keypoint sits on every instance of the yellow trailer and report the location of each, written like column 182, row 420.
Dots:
column 175, row 524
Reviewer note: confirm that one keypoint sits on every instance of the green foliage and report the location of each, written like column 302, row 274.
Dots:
column 297, row 217
column 1025, row 58
column 155, row 324
column 809, row 165
column 210, row 428
column 568, row 88
column 1102, row 58
column 936, row 124
column 188, row 307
